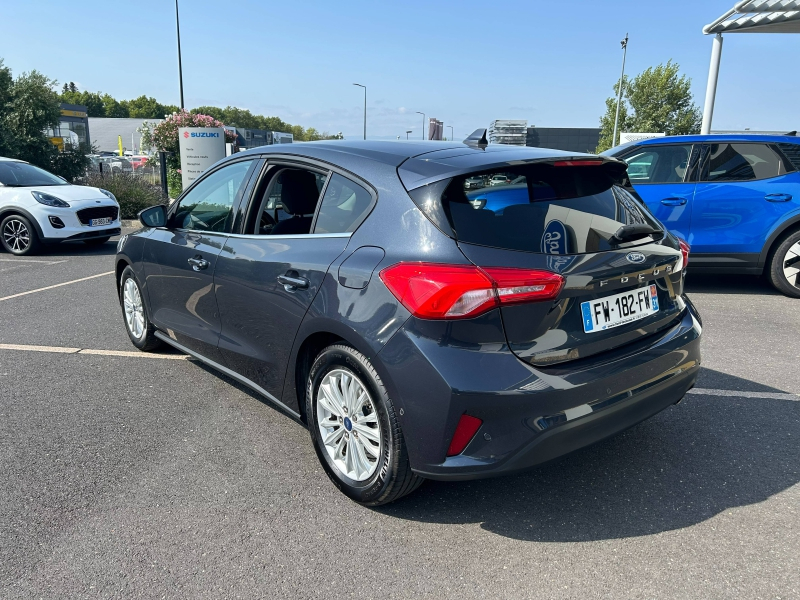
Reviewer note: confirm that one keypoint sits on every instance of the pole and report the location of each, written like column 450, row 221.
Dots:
column 423, row 123
column 619, row 88
column 180, row 67
column 452, row 135
column 365, row 108
column 407, row 132
column 162, row 167
column 711, row 88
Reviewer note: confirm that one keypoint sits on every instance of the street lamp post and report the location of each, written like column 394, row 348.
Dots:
column 619, row 88
column 407, row 132
column 365, row 108
column 452, row 135
column 180, row 68
column 423, row 123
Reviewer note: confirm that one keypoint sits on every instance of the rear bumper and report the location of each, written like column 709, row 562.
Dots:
column 530, row 415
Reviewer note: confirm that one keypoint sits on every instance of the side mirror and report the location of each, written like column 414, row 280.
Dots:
column 155, row 216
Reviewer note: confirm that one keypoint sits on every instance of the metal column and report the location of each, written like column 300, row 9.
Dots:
column 711, row 89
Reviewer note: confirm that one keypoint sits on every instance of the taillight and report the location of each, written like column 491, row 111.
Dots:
column 685, row 248
column 465, row 430
column 437, row 291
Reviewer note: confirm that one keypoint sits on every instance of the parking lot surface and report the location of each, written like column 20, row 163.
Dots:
column 128, row 475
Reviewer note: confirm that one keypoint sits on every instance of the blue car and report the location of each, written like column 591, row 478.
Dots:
column 734, row 198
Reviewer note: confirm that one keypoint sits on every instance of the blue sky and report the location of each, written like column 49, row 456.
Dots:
column 466, row 63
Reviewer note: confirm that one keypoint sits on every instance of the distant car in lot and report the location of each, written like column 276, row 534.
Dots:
column 357, row 288
column 734, row 198
column 471, row 183
column 499, row 179
column 137, row 161
column 37, row 207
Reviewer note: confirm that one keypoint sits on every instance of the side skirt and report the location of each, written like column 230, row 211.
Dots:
column 232, row 374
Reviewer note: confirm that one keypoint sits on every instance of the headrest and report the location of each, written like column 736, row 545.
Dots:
column 299, row 193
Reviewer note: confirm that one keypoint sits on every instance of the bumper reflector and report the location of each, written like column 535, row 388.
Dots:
column 465, row 430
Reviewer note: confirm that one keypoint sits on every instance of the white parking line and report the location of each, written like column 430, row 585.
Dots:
column 67, row 350
column 28, row 260
column 50, row 287
column 738, row 394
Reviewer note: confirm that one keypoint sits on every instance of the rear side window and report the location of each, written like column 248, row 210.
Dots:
column 741, row 162
column 538, row 208
column 658, row 164
column 343, row 206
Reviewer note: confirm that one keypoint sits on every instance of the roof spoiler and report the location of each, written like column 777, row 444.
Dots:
column 791, row 133
column 477, row 139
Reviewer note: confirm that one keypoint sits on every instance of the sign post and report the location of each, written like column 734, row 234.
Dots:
column 200, row 148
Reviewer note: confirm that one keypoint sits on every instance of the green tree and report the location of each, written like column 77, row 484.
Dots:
column 93, row 101
column 658, row 99
column 145, row 107
column 114, row 109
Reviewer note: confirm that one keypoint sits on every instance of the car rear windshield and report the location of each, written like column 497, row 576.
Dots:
column 19, row 174
column 539, row 208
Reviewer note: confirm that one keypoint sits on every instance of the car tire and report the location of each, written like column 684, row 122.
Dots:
column 96, row 241
column 134, row 313
column 784, row 266
column 18, row 236
column 370, row 473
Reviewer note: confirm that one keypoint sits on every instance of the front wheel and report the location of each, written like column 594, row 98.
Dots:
column 354, row 428
column 18, row 235
column 137, row 324
column 784, row 267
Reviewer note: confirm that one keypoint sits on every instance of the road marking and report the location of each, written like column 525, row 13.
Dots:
column 50, row 287
column 67, row 350
column 738, row 394
column 28, row 260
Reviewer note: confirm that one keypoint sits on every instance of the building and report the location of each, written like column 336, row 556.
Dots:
column 435, row 129
column 73, row 126
column 511, row 132
column 571, row 139
column 107, row 131
column 252, row 138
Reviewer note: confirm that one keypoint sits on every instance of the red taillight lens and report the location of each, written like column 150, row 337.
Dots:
column 437, row 291
column 465, row 430
column 685, row 248
column 577, row 163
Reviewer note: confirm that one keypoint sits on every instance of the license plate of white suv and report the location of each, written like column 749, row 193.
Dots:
column 619, row 309
column 103, row 221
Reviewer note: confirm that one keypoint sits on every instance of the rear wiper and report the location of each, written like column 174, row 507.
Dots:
column 634, row 231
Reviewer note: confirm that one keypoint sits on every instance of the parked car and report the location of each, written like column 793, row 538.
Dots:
column 37, row 207
column 137, row 161
column 471, row 183
column 734, row 198
column 356, row 287
column 499, row 179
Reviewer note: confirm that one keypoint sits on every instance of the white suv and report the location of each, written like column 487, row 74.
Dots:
column 37, row 207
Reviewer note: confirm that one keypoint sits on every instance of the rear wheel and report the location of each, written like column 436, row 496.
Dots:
column 784, row 266
column 354, row 428
column 137, row 324
column 18, row 236
column 96, row 241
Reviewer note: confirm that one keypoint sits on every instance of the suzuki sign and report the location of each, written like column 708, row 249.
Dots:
column 200, row 147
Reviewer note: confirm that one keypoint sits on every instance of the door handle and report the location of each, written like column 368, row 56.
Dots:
column 674, row 201
column 293, row 283
column 778, row 197
column 198, row 263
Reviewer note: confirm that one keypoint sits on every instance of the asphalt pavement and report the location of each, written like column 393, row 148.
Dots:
column 124, row 475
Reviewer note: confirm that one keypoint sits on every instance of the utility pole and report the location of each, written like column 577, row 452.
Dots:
column 423, row 123
column 180, row 68
column 365, row 108
column 452, row 135
column 619, row 88
column 407, row 132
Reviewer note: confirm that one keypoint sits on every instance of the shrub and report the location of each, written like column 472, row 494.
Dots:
column 133, row 193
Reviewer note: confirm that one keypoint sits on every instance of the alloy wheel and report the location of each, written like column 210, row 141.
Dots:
column 348, row 424
column 134, row 310
column 16, row 235
column 791, row 265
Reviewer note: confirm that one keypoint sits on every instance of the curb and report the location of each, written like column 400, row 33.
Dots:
column 128, row 223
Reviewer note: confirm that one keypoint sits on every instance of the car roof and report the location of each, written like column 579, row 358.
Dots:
column 11, row 159
column 710, row 138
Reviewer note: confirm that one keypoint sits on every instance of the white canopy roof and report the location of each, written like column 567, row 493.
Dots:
column 759, row 16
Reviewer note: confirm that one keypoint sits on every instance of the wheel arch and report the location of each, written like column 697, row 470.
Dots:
column 16, row 210
column 122, row 262
column 773, row 241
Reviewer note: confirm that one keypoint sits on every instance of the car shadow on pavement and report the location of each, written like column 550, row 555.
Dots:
column 701, row 283
column 682, row 467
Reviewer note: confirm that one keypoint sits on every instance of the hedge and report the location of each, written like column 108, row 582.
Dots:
column 132, row 192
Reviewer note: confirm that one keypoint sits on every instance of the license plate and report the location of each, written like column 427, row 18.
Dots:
column 619, row 309
column 103, row 221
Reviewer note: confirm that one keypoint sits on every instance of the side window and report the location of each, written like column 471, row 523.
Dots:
column 209, row 205
column 289, row 202
column 343, row 206
column 741, row 162
column 658, row 164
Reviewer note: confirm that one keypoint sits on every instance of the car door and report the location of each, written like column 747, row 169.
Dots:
column 743, row 192
column 179, row 260
column 268, row 275
column 663, row 177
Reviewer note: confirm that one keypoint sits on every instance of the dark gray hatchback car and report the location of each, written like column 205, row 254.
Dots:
column 418, row 325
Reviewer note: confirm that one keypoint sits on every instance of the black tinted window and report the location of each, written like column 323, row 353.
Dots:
column 19, row 174
column 542, row 208
column 658, row 164
column 741, row 162
column 343, row 205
